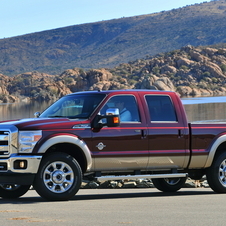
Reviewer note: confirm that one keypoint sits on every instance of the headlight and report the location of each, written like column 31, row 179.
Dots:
column 28, row 139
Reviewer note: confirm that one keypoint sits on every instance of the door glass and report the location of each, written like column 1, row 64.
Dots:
column 127, row 106
column 161, row 109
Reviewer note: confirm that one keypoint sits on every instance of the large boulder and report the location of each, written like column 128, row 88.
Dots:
column 210, row 51
column 3, row 90
column 164, row 83
column 146, row 83
column 197, row 56
column 94, row 76
column 213, row 69
column 169, row 69
column 184, row 90
column 183, row 61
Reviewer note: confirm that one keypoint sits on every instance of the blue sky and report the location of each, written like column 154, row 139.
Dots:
column 18, row 17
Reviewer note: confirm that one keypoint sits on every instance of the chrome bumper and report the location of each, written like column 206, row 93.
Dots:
column 8, row 165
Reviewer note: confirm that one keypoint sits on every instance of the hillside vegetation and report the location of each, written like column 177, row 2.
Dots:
column 109, row 43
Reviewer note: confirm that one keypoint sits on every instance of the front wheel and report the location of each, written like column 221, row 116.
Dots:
column 169, row 184
column 13, row 191
column 59, row 177
column 216, row 174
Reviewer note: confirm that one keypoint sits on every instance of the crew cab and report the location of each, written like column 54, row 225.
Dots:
column 109, row 135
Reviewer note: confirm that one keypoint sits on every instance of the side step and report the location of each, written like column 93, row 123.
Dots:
column 143, row 176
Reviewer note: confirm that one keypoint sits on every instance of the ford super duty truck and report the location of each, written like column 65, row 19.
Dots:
column 109, row 135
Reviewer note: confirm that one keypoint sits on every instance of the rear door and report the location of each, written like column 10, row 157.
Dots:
column 167, row 134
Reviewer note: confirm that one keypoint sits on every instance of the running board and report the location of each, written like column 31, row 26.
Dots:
column 144, row 176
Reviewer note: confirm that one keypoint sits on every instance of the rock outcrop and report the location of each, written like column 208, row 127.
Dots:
column 189, row 71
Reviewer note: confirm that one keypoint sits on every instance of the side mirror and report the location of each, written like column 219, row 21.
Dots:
column 112, row 111
column 112, row 116
column 37, row 114
column 111, row 119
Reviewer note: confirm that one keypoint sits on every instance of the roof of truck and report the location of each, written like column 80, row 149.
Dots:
column 123, row 91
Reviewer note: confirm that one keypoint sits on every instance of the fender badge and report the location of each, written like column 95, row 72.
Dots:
column 101, row 146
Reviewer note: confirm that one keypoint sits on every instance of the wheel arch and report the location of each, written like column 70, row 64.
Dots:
column 217, row 147
column 71, row 145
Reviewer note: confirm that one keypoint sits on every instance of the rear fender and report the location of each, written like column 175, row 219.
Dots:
column 213, row 150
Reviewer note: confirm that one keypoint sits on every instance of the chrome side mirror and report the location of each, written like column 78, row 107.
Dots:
column 112, row 111
column 110, row 119
column 37, row 114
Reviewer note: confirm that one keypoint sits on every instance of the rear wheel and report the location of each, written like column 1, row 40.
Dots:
column 13, row 191
column 216, row 174
column 59, row 177
column 169, row 184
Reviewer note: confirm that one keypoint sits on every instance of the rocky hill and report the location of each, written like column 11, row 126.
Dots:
column 190, row 71
column 109, row 43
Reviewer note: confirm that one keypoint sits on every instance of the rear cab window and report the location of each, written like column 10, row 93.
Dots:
column 161, row 109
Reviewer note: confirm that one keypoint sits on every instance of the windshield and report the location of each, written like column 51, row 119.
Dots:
column 73, row 106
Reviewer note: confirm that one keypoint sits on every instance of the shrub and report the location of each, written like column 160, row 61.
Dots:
column 156, row 70
column 68, row 80
column 184, row 67
column 223, row 67
column 214, row 80
column 206, row 74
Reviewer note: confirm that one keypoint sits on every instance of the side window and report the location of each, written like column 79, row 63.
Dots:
column 161, row 108
column 127, row 106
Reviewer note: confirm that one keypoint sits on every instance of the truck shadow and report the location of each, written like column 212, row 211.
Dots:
column 131, row 194
column 140, row 195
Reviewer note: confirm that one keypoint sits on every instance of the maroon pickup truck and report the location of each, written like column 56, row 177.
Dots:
column 109, row 135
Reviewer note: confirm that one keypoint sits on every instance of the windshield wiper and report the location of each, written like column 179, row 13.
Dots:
column 70, row 117
column 77, row 117
column 56, row 116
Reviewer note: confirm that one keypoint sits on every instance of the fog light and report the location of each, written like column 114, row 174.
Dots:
column 20, row 164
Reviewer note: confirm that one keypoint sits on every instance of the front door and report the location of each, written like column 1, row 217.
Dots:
column 124, row 147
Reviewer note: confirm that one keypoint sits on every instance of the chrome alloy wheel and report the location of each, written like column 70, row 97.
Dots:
column 172, row 181
column 58, row 177
column 222, row 173
column 13, row 191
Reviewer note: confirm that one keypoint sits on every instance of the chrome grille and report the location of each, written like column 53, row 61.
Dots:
column 8, row 140
column 4, row 143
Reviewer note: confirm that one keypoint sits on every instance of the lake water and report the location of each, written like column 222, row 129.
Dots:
column 21, row 110
column 197, row 109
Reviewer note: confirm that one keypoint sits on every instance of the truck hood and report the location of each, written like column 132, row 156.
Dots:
column 44, row 123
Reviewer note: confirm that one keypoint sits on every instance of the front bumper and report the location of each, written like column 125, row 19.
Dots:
column 10, row 173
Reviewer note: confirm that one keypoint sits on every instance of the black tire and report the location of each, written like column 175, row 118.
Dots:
column 13, row 191
column 216, row 174
column 59, row 177
column 169, row 184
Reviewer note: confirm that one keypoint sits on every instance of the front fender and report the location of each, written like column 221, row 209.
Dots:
column 213, row 150
column 68, row 139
